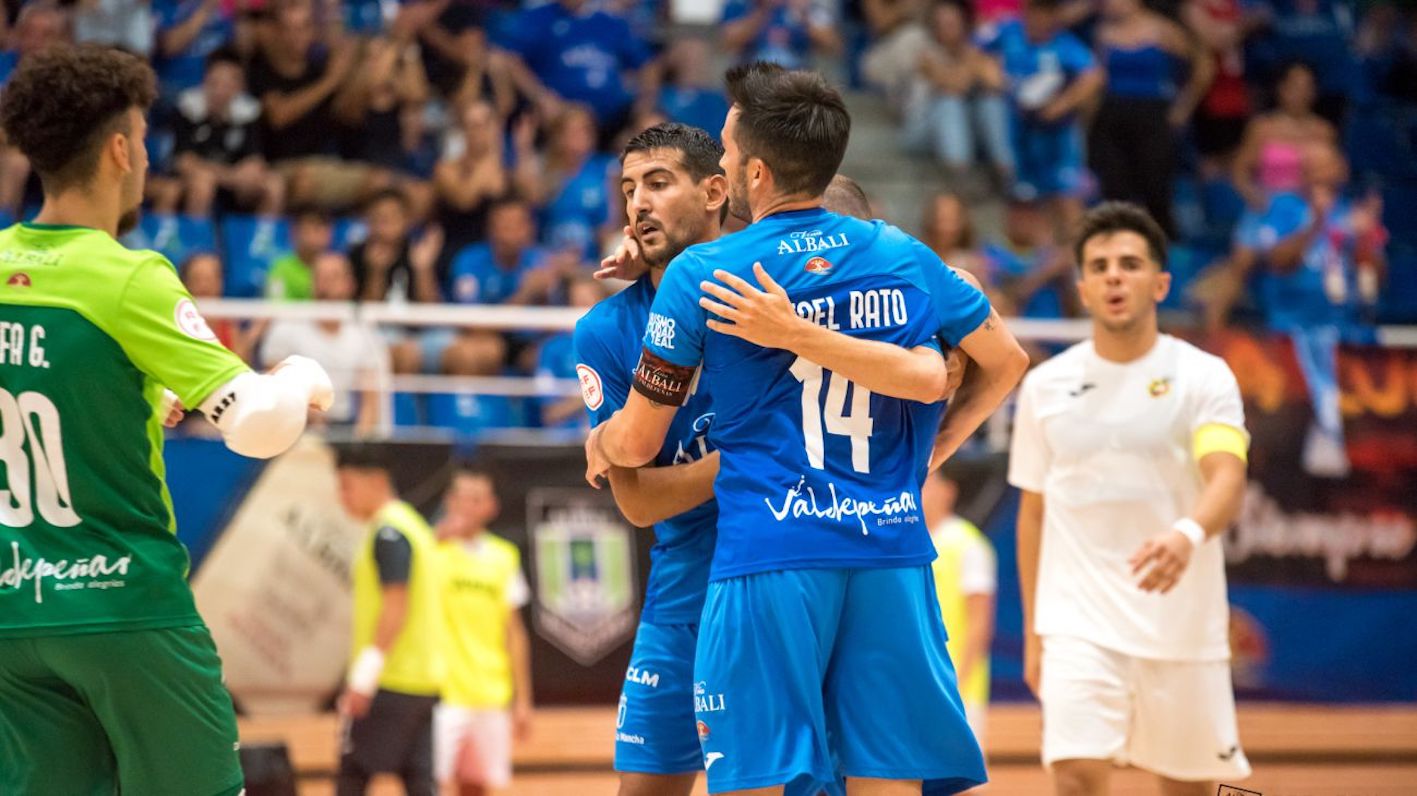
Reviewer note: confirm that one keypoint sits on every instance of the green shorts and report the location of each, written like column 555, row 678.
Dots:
column 140, row 712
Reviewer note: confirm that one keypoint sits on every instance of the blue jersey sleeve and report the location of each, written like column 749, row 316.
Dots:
column 734, row 10
column 959, row 306
column 604, row 377
column 1075, row 57
column 674, row 336
column 1286, row 216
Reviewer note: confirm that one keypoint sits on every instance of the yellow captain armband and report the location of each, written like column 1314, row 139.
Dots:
column 1220, row 438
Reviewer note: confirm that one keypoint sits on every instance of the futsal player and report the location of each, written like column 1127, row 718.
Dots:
column 1130, row 450
column 486, row 696
column 819, row 533
column 675, row 196
column 396, row 670
column 109, row 680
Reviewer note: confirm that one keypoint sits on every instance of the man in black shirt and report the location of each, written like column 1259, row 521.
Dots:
column 296, row 79
column 218, row 144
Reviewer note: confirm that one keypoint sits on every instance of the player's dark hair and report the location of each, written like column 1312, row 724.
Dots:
column 1111, row 217
column 699, row 152
column 794, row 121
column 845, row 196
column 63, row 103
column 362, row 456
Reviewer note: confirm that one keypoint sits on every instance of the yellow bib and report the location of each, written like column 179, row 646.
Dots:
column 476, row 578
column 414, row 665
column 951, row 541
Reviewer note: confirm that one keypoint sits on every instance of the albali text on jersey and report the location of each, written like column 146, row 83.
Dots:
column 816, row 471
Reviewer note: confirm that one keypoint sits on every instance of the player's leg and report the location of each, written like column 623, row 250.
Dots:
column 417, row 769
column 764, row 646
column 890, row 672
column 485, row 762
column 656, row 744
column 387, row 739
column 159, row 697
column 451, row 724
column 49, row 739
column 1087, row 711
column 1185, row 728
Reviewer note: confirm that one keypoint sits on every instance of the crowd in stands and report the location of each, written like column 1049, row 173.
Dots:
column 464, row 151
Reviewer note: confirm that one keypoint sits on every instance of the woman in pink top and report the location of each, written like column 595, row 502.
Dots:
column 1271, row 158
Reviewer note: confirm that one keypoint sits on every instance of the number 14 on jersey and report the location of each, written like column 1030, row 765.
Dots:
column 819, row 420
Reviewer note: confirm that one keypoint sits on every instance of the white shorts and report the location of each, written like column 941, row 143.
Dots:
column 1173, row 718
column 472, row 746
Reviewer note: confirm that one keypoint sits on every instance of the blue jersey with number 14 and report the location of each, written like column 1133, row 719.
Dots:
column 816, row 472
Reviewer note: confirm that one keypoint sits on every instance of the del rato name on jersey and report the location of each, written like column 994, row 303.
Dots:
column 865, row 309
column 21, row 345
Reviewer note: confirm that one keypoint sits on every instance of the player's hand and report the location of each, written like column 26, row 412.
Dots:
column 521, row 720
column 954, row 368
column 171, row 409
column 1033, row 662
column 1052, row 112
column 322, row 391
column 354, row 704
column 1163, row 558
column 762, row 317
column 625, row 262
column 597, row 466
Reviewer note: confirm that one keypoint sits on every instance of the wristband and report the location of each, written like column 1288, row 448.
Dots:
column 1190, row 529
column 364, row 673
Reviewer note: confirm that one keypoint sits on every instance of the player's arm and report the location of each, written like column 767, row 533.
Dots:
column 766, row 318
column 998, row 364
column 1220, row 448
column 519, row 652
column 663, row 379
column 1029, row 530
column 647, row 495
column 259, row 415
column 393, row 557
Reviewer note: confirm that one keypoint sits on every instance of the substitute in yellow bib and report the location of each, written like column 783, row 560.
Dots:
column 487, row 694
column 966, row 577
column 396, row 672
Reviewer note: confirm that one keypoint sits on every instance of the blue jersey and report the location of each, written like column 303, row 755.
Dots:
column 607, row 344
column 184, row 70
column 476, row 278
column 571, row 220
column 1037, row 71
column 816, row 472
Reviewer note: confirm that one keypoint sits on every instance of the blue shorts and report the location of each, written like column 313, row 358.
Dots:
column 654, row 728
column 816, row 674
column 1048, row 161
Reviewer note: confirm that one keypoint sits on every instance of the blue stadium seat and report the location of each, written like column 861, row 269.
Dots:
column 1398, row 303
column 249, row 245
column 467, row 415
column 176, row 237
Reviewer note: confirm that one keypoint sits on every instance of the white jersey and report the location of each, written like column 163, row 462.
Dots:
column 1109, row 446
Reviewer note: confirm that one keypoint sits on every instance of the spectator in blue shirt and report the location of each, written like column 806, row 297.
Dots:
column 188, row 31
column 690, row 94
column 569, row 51
column 573, row 185
column 506, row 269
column 1324, row 257
column 781, row 31
column 1050, row 75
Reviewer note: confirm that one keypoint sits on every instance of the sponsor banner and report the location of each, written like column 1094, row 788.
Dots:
column 275, row 588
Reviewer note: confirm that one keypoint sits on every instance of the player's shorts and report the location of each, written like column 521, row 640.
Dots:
column 137, row 711
column 472, row 746
column 1049, row 161
column 810, row 675
column 395, row 736
column 1173, row 718
column 654, row 728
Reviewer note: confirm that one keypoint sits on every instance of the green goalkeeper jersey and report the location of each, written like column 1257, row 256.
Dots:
column 90, row 334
